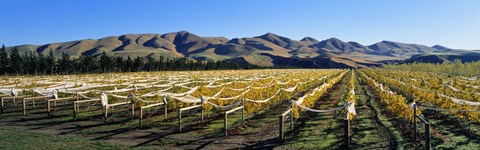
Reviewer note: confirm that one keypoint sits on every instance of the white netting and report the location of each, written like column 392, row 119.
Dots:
column 12, row 92
column 104, row 99
column 83, row 96
column 456, row 100
column 187, row 99
column 119, row 96
column 449, row 110
column 291, row 89
column 301, row 99
column 234, row 97
column 351, row 108
column 224, row 107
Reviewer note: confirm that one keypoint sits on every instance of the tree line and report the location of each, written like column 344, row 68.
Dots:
column 32, row 63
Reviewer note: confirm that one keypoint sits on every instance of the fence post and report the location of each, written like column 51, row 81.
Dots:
column 24, row 108
column 415, row 123
column 201, row 101
column 48, row 108
column 347, row 127
column 243, row 112
column 444, row 89
column 166, row 108
column 141, row 117
column 179, row 120
column 427, row 136
column 1, row 105
column 133, row 110
column 291, row 116
column 347, row 133
column 74, row 110
column 280, row 128
column 105, row 112
column 225, row 124
column 66, row 103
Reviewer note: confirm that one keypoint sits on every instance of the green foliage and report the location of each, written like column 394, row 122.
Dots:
column 16, row 61
column 4, row 60
column 31, row 63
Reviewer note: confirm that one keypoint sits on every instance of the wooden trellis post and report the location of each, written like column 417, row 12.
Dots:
column 152, row 105
column 225, row 130
column 133, row 110
column 291, row 116
column 179, row 120
column 225, row 121
column 347, row 128
column 281, row 125
column 201, row 103
column 1, row 105
column 415, row 123
column 280, row 128
column 243, row 112
column 180, row 115
column 105, row 114
column 24, row 108
column 444, row 89
column 165, row 106
column 427, row 132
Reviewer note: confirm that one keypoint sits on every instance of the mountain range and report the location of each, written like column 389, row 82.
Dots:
column 264, row 50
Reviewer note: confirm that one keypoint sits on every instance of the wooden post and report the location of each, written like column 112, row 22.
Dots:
column 415, row 123
column 74, row 110
column 141, row 117
column 133, row 110
column 243, row 112
column 347, row 127
column 347, row 133
column 74, row 105
column 427, row 136
column 78, row 107
column 280, row 128
column 105, row 112
column 201, row 115
column 291, row 117
column 1, row 106
column 179, row 120
column 166, row 112
column 166, row 108
column 24, row 107
column 66, row 103
column 33, row 103
column 225, row 124
column 444, row 89
column 48, row 108
column 14, row 102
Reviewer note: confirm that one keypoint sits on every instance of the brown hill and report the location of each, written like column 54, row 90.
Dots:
column 266, row 50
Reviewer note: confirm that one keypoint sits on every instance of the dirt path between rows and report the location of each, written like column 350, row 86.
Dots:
column 321, row 130
column 368, row 132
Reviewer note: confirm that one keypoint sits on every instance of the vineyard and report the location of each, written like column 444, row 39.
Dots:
column 248, row 109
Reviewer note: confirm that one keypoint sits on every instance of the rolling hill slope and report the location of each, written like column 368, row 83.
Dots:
column 265, row 50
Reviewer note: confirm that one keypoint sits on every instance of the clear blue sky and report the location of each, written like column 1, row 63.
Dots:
column 452, row 23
